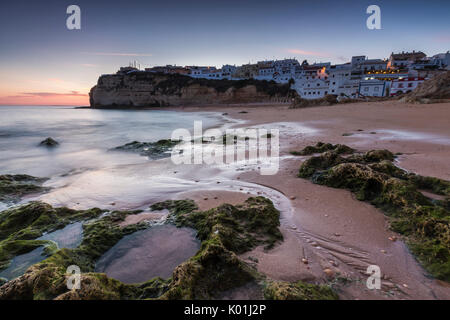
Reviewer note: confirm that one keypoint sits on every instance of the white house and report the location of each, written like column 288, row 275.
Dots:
column 373, row 88
column 405, row 85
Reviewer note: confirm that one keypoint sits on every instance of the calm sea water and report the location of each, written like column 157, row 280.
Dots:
column 84, row 135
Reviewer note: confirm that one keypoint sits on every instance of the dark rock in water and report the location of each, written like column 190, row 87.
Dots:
column 13, row 187
column 152, row 150
column 49, row 142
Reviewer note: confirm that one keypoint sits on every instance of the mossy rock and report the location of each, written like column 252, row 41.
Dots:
column 152, row 150
column 280, row 290
column 13, row 187
column 374, row 178
column 49, row 142
column 321, row 147
column 240, row 227
column 214, row 269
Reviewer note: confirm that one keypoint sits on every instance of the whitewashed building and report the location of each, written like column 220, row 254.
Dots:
column 373, row 88
column 405, row 85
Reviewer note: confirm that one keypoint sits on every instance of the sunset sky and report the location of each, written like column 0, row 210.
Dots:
column 44, row 63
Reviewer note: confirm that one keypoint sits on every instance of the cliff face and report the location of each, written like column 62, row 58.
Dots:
column 144, row 89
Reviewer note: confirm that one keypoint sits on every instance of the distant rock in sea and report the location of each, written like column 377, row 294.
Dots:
column 49, row 142
column 152, row 150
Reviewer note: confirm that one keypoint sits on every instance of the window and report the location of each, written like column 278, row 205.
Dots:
column 376, row 89
column 410, row 85
column 366, row 88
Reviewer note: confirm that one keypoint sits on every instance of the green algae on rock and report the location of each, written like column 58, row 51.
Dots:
column 321, row 147
column 281, row 290
column 20, row 226
column 374, row 178
column 224, row 231
column 152, row 150
column 214, row 269
column 13, row 187
column 240, row 227
column 47, row 279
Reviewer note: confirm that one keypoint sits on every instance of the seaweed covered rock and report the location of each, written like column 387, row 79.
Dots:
column 373, row 177
column 49, row 142
column 20, row 226
column 322, row 162
column 47, row 279
column 321, row 147
column 224, row 231
column 152, row 150
column 240, row 227
column 13, row 187
column 280, row 290
column 212, row 270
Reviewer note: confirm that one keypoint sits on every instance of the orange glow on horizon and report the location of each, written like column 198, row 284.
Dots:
column 61, row 100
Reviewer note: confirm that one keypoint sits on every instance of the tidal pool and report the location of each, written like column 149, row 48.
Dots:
column 68, row 237
column 154, row 252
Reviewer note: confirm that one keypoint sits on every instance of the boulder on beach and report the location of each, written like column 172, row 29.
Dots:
column 49, row 142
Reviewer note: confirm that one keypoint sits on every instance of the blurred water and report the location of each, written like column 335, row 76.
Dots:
column 84, row 135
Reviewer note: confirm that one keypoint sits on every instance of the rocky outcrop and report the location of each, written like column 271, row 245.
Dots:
column 13, row 187
column 433, row 90
column 146, row 89
column 152, row 150
column 225, row 232
column 372, row 177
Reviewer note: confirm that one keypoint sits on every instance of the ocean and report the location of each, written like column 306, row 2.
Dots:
column 85, row 136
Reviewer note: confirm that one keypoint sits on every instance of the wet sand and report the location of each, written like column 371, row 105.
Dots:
column 329, row 233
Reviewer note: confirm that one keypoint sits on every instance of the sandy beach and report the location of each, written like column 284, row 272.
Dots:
column 329, row 234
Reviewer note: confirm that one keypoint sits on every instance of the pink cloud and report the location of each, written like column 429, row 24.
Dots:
column 307, row 53
column 443, row 38
column 48, row 94
column 120, row 54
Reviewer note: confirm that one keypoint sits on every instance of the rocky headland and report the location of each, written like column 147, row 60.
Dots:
column 147, row 89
